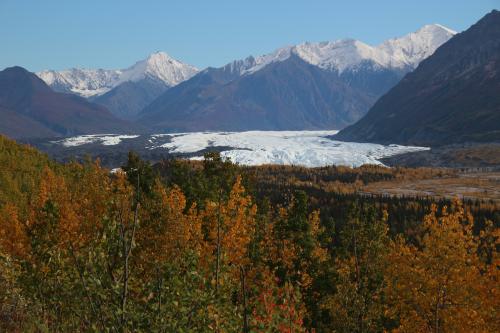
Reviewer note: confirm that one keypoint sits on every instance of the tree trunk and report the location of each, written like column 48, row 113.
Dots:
column 244, row 296
column 217, row 263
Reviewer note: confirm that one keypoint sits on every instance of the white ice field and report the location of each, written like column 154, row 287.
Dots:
column 305, row 148
column 104, row 139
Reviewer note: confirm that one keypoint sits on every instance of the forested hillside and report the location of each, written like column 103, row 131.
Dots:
column 210, row 246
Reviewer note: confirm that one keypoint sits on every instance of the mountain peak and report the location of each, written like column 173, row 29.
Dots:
column 15, row 77
column 159, row 56
column 158, row 66
column 16, row 69
column 435, row 28
column 490, row 23
column 411, row 49
column 494, row 14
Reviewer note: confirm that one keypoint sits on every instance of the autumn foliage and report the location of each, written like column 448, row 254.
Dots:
column 200, row 250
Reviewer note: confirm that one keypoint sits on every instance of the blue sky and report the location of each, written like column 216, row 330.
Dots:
column 58, row 34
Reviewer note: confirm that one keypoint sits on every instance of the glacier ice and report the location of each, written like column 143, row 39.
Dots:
column 305, row 148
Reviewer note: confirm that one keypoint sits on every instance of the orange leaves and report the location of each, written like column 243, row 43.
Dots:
column 13, row 239
column 437, row 285
column 92, row 195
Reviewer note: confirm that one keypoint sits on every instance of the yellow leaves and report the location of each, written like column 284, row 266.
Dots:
column 239, row 223
column 319, row 253
column 287, row 254
column 167, row 230
column 235, row 220
column 438, row 283
column 13, row 239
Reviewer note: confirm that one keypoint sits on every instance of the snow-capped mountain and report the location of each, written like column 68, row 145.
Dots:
column 159, row 66
column 93, row 82
column 31, row 109
column 83, row 82
column 341, row 55
column 451, row 98
column 411, row 49
column 326, row 85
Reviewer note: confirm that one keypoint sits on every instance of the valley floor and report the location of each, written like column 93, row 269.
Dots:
column 469, row 156
column 463, row 185
column 436, row 183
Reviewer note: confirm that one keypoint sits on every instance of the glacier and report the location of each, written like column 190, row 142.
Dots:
column 304, row 148
column 103, row 139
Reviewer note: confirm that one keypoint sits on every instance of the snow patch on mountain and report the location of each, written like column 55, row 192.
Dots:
column 93, row 82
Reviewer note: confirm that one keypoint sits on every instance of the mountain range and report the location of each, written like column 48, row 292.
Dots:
column 452, row 97
column 326, row 85
column 30, row 108
column 126, row 91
